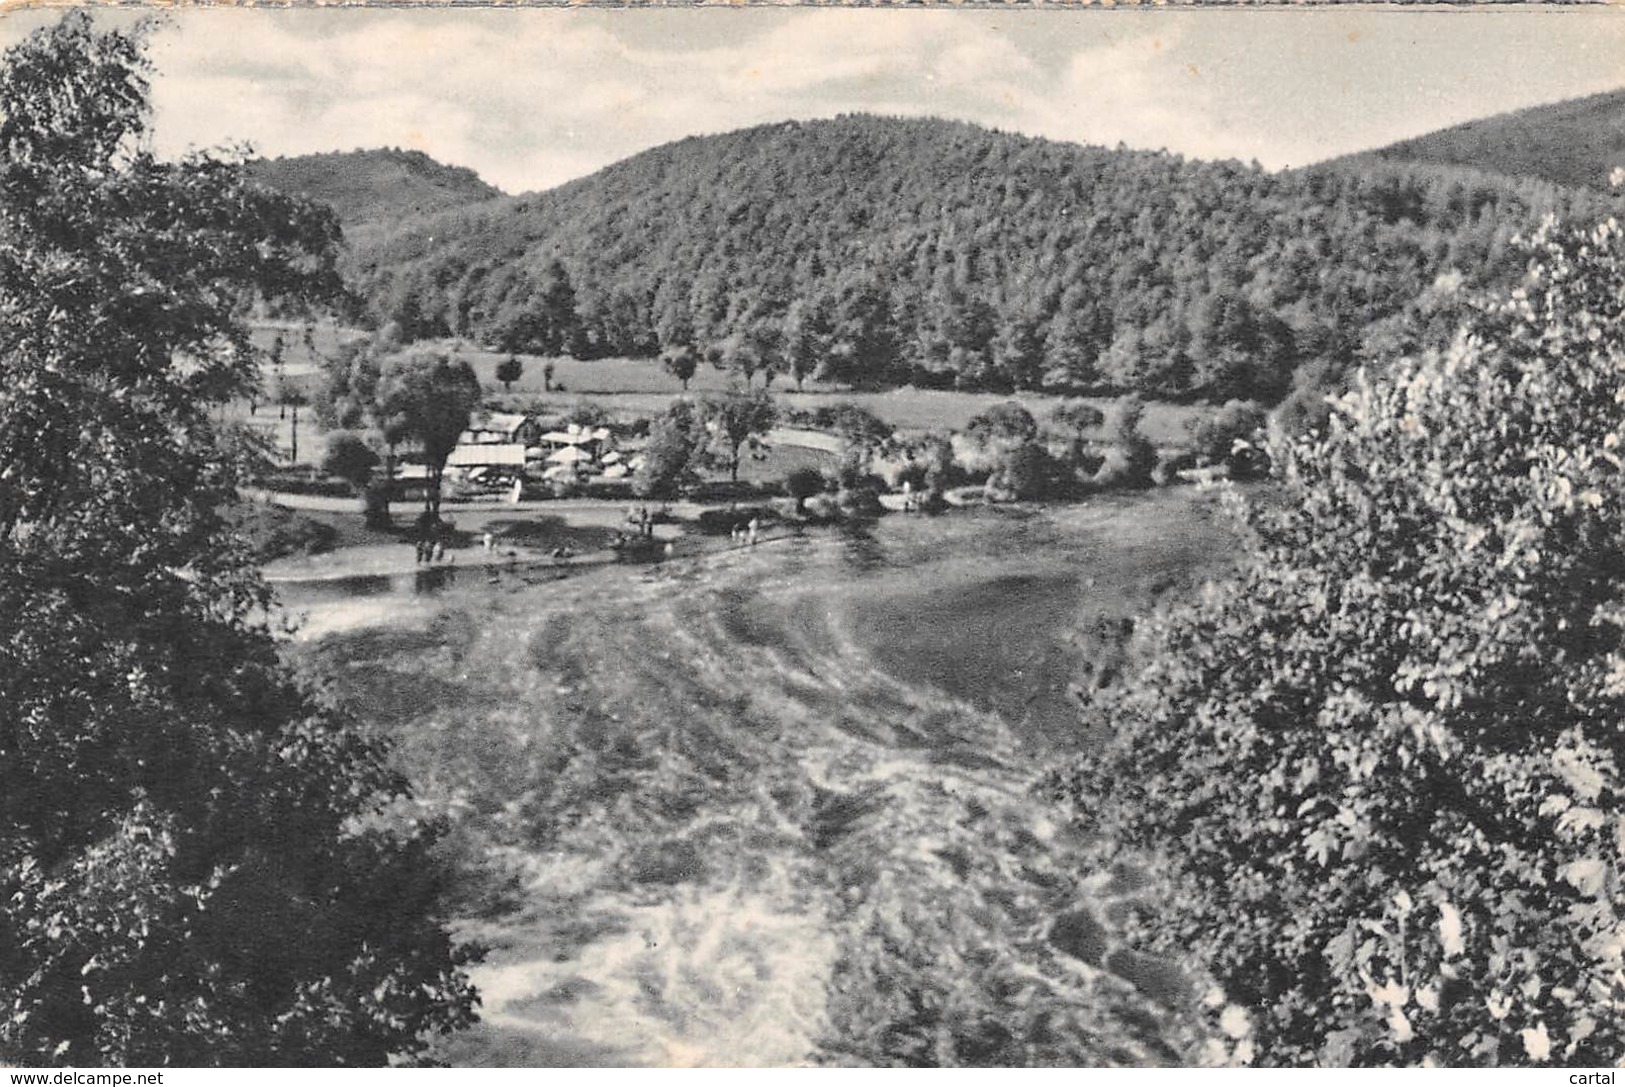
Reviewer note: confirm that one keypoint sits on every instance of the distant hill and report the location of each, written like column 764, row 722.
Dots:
column 1576, row 143
column 884, row 251
column 366, row 187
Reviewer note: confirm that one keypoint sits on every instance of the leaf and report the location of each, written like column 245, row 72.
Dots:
column 1578, row 774
column 1393, row 993
column 1578, row 820
column 1400, row 1025
column 1586, row 876
column 1554, row 804
column 1536, row 1043
column 1450, row 938
column 1234, row 1022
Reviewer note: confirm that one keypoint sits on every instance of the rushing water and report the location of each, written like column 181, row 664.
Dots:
column 720, row 809
column 327, row 606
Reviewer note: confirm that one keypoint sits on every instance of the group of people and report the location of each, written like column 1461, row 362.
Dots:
column 430, row 551
column 431, row 548
column 641, row 517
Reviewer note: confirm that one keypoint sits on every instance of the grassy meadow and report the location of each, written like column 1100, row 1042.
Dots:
column 641, row 386
column 631, row 387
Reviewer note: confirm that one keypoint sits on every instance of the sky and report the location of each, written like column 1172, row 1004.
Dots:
column 533, row 98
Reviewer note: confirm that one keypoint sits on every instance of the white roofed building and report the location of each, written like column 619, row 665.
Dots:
column 487, row 455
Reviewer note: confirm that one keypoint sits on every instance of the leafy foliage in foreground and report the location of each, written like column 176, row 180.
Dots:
column 1383, row 765
column 199, row 863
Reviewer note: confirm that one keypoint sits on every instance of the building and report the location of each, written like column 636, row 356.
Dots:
column 502, row 428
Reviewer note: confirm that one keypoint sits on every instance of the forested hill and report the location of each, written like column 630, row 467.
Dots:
column 1578, row 142
column 887, row 251
column 382, row 185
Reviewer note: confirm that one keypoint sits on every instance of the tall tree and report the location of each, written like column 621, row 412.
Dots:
column 806, row 337
column 1130, row 456
column 427, row 395
column 736, row 418
column 863, row 435
column 509, row 370
column 680, row 361
column 1381, row 769
column 540, row 315
column 1078, row 416
column 200, row 863
column 671, row 456
column 558, row 309
column 1007, row 422
column 350, row 458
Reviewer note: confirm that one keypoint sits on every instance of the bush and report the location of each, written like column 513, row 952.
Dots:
column 1380, row 772
column 864, row 500
column 350, row 459
column 1130, row 458
column 1083, row 459
column 822, row 508
column 802, row 483
column 273, row 532
column 1307, row 405
column 1169, row 466
column 1027, row 472
column 1215, row 435
column 1008, row 422
column 718, row 522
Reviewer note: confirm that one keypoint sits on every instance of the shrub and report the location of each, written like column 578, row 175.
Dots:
column 1026, row 471
column 802, row 483
column 1215, row 436
column 936, row 454
column 1307, row 405
column 672, row 453
column 273, row 532
column 350, row 458
column 1008, row 422
column 1380, row 770
column 1130, row 457
column 508, row 371
column 1077, row 417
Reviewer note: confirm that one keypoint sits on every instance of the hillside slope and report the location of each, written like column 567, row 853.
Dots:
column 882, row 251
column 1576, row 143
column 374, row 186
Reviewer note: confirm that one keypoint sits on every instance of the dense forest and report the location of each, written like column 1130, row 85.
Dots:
column 376, row 186
column 1579, row 142
column 882, row 251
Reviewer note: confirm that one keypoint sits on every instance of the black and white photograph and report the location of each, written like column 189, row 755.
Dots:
column 828, row 537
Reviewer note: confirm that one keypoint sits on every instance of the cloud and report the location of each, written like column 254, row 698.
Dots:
column 532, row 98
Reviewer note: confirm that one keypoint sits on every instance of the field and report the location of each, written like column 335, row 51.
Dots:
column 631, row 387
column 641, row 386
column 773, row 806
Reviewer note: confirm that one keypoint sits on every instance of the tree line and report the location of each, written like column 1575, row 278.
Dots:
column 878, row 252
